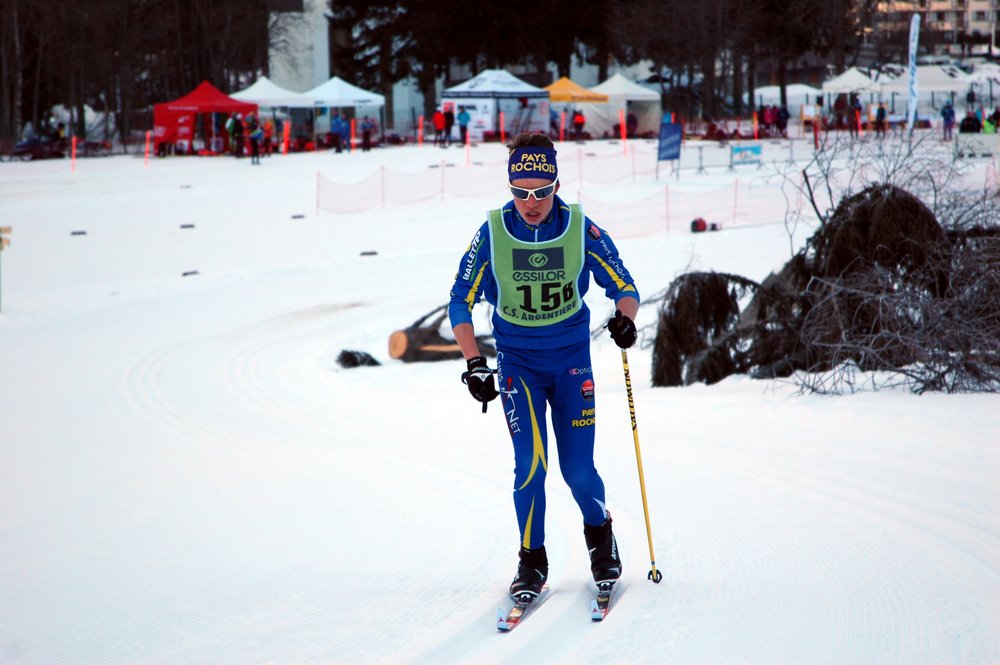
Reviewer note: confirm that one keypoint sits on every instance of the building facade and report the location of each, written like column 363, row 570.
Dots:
column 948, row 27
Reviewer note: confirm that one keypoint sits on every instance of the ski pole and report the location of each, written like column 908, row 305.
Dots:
column 654, row 574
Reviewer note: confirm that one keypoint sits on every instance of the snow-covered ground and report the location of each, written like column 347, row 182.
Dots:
column 187, row 475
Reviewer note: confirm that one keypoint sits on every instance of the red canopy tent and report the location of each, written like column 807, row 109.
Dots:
column 174, row 121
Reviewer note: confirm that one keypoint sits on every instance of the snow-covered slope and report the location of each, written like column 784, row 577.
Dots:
column 187, row 476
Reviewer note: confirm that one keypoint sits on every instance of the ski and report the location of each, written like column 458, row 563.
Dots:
column 601, row 605
column 524, row 605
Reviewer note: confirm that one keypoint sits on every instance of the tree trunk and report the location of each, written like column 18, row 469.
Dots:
column 11, row 74
column 783, row 81
column 385, row 79
column 738, row 84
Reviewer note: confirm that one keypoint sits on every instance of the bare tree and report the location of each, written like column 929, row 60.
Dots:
column 899, row 285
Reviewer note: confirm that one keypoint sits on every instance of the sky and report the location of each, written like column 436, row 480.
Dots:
column 187, row 475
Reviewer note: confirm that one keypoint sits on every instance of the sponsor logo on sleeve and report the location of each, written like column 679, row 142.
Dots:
column 470, row 259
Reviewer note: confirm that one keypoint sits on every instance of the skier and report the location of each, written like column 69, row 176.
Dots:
column 532, row 260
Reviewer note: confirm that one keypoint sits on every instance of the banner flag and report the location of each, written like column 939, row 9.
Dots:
column 670, row 142
column 911, row 109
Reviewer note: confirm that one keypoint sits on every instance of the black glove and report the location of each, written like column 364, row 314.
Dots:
column 622, row 330
column 479, row 378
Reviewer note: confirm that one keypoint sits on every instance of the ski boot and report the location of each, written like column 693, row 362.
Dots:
column 532, row 572
column 604, row 562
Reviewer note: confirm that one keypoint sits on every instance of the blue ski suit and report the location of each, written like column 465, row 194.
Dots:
column 545, row 365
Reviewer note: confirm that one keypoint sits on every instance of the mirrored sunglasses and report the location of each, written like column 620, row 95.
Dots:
column 540, row 193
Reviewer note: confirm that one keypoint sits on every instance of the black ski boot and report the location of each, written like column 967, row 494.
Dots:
column 604, row 562
column 532, row 572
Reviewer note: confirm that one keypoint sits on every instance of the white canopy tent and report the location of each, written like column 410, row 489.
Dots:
column 623, row 96
column 852, row 80
column 266, row 93
column 492, row 91
column 935, row 85
column 797, row 95
column 338, row 93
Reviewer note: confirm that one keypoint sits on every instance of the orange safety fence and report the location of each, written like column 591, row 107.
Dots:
column 671, row 209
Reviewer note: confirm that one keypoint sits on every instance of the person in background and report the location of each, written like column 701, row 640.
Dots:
column 438, row 121
column 345, row 133
column 578, row 123
column 532, row 260
column 947, row 120
column 367, row 127
column 970, row 124
column 841, row 109
column 238, row 136
column 767, row 120
column 337, row 129
column 449, row 124
column 783, row 116
column 268, row 143
column 59, row 134
column 854, row 117
column 231, row 130
column 463, row 125
column 881, row 118
column 256, row 136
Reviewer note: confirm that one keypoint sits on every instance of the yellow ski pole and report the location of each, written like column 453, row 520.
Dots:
column 654, row 574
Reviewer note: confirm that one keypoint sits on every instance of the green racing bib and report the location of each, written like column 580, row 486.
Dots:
column 537, row 281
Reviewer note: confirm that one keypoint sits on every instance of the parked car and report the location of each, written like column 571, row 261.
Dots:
column 38, row 147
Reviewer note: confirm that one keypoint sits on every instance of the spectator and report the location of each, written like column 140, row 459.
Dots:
column 631, row 125
column 231, row 129
column 449, row 124
column 367, row 127
column 345, row 133
column 783, row 116
column 854, row 118
column 578, row 122
column 970, row 124
column 948, row 118
column 337, row 129
column 840, row 111
column 881, row 117
column 238, row 135
column 767, row 118
column 463, row 124
column 438, row 121
column 60, row 136
column 256, row 136
column 268, row 144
